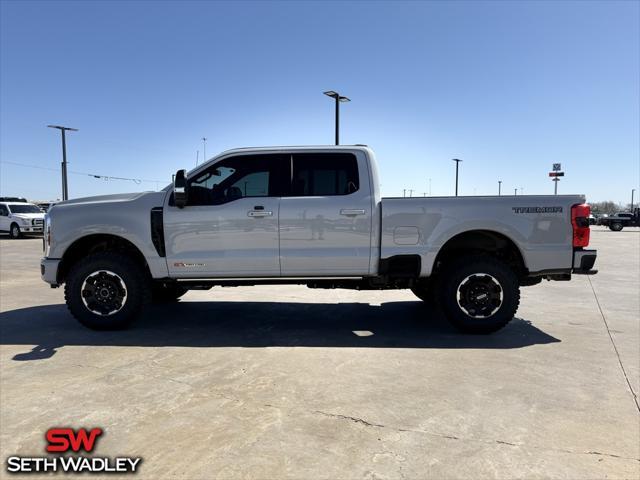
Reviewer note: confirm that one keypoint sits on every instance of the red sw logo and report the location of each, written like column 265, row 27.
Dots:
column 65, row 439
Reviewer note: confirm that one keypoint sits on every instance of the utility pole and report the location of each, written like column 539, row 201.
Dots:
column 633, row 190
column 338, row 98
column 457, row 163
column 499, row 187
column 65, row 188
column 204, row 149
column 515, row 191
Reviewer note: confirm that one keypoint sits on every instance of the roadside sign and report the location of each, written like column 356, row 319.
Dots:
column 556, row 174
column 556, row 167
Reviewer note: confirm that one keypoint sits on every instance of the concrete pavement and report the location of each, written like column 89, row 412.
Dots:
column 288, row 382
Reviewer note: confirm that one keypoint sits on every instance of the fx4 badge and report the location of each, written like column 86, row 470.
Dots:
column 189, row 265
column 536, row 209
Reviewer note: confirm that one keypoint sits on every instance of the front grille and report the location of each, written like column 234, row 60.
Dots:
column 37, row 222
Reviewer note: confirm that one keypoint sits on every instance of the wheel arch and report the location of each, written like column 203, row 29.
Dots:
column 486, row 242
column 100, row 242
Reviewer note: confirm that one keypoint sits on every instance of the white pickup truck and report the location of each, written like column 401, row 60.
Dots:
column 313, row 216
column 20, row 218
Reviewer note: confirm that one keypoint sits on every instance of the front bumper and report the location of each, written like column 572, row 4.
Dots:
column 49, row 270
column 583, row 261
column 31, row 230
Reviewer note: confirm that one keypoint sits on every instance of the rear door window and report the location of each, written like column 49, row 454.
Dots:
column 324, row 174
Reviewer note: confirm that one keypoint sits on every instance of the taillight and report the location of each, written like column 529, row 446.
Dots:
column 580, row 222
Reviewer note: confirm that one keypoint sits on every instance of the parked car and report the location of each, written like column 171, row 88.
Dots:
column 114, row 252
column 602, row 219
column 21, row 218
column 623, row 219
column 13, row 199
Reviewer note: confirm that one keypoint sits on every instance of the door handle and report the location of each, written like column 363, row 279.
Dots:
column 352, row 211
column 259, row 213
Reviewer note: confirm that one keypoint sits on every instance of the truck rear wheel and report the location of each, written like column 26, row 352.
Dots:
column 479, row 294
column 106, row 291
column 425, row 291
column 616, row 227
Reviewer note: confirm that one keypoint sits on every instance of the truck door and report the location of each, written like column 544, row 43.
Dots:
column 325, row 220
column 230, row 224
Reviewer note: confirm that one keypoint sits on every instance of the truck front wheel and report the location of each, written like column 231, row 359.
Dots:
column 106, row 291
column 14, row 231
column 616, row 227
column 479, row 294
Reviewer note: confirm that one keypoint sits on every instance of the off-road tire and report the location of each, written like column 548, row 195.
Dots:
column 474, row 268
column 136, row 283
column 166, row 292
column 616, row 227
column 426, row 291
column 14, row 231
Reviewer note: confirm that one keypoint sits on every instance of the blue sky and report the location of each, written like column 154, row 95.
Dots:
column 509, row 87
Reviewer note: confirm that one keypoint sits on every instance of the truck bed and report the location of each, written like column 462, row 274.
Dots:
column 539, row 225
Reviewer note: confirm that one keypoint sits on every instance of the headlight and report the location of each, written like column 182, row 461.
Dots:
column 25, row 221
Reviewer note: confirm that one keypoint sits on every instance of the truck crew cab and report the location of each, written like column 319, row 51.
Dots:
column 313, row 216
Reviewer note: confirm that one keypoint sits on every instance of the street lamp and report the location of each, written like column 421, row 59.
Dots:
column 65, row 188
column 457, row 163
column 633, row 190
column 499, row 187
column 338, row 98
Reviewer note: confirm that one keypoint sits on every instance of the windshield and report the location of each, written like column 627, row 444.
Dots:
column 26, row 208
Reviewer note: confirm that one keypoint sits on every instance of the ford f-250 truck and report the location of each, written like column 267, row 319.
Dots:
column 313, row 216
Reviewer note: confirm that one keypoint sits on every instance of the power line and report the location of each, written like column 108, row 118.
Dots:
column 137, row 181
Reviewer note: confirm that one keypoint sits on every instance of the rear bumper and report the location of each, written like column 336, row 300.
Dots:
column 583, row 261
column 49, row 270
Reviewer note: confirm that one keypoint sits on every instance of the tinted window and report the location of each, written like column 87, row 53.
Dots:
column 237, row 177
column 322, row 174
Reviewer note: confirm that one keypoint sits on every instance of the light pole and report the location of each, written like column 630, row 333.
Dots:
column 65, row 188
column 499, row 187
column 515, row 191
column 338, row 98
column 457, row 163
column 204, row 149
column 633, row 190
